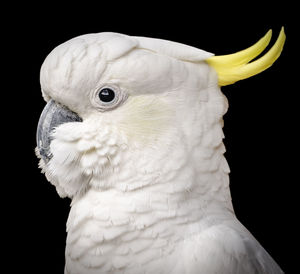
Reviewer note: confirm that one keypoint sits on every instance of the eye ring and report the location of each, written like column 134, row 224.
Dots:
column 108, row 97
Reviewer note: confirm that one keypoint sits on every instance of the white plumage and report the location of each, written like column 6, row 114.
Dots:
column 146, row 174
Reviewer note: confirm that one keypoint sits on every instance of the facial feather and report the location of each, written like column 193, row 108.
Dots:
column 144, row 118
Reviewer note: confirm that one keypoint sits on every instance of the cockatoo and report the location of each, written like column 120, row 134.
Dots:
column 132, row 133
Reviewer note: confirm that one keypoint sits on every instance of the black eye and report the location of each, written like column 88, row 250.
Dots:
column 107, row 95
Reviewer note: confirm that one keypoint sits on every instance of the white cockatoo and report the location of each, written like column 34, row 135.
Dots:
column 132, row 133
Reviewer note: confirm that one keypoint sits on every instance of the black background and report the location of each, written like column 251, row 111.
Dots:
column 261, row 126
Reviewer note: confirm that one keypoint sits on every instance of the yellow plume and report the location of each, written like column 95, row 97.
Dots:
column 234, row 67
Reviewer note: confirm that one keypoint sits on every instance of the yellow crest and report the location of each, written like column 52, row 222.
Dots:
column 237, row 66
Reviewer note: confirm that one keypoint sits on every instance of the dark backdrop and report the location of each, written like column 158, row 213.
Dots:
column 260, row 126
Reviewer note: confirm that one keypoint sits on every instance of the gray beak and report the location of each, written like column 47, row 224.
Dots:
column 52, row 116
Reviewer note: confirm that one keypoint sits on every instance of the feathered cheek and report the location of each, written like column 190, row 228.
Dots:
column 145, row 118
column 63, row 169
column 99, row 155
column 83, row 154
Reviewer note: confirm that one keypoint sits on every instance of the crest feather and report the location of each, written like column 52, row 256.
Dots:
column 234, row 67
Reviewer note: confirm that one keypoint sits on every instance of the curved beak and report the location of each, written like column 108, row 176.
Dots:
column 52, row 116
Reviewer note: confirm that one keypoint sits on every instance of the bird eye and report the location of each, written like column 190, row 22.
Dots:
column 106, row 95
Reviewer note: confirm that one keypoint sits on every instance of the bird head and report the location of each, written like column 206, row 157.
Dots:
column 128, row 112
